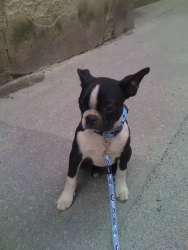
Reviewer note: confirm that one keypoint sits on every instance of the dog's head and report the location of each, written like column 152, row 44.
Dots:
column 101, row 99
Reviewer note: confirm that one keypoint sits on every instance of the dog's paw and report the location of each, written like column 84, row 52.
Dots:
column 64, row 202
column 122, row 192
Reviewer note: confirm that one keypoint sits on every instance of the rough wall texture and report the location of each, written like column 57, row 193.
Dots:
column 140, row 3
column 38, row 33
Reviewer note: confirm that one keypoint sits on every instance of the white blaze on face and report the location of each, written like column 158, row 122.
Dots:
column 93, row 98
column 92, row 105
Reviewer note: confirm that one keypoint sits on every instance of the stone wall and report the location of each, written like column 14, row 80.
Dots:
column 38, row 33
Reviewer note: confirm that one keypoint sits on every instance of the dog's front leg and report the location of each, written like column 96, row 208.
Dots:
column 122, row 192
column 66, row 198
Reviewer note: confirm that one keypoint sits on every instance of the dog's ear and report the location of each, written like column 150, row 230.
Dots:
column 85, row 76
column 130, row 84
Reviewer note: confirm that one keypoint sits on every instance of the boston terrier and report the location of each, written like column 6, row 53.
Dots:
column 101, row 103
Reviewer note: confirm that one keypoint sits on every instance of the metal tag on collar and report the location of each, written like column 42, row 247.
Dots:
column 106, row 143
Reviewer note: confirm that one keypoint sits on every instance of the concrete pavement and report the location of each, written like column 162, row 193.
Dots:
column 37, row 127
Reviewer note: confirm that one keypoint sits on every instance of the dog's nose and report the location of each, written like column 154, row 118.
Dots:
column 91, row 119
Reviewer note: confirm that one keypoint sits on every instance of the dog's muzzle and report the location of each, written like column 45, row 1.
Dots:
column 92, row 120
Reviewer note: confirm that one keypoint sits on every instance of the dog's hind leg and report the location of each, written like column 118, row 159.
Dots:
column 97, row 171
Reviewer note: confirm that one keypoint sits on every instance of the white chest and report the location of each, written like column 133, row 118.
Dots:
column 91, row 145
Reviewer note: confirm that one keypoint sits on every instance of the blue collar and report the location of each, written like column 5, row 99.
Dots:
column 120, row 126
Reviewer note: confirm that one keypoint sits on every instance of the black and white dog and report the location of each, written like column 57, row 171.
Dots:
column 101, row 103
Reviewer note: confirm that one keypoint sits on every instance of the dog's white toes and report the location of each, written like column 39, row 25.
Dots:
column 122, row 192
column 63, row 203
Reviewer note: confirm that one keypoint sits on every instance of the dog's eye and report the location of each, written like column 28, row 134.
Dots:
column 109, row 108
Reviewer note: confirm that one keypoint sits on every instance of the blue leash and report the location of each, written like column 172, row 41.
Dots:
column 111, row 191
column 112, row 200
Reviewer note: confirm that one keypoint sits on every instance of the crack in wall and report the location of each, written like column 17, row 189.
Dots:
column 42, row 13
column 46, row 26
